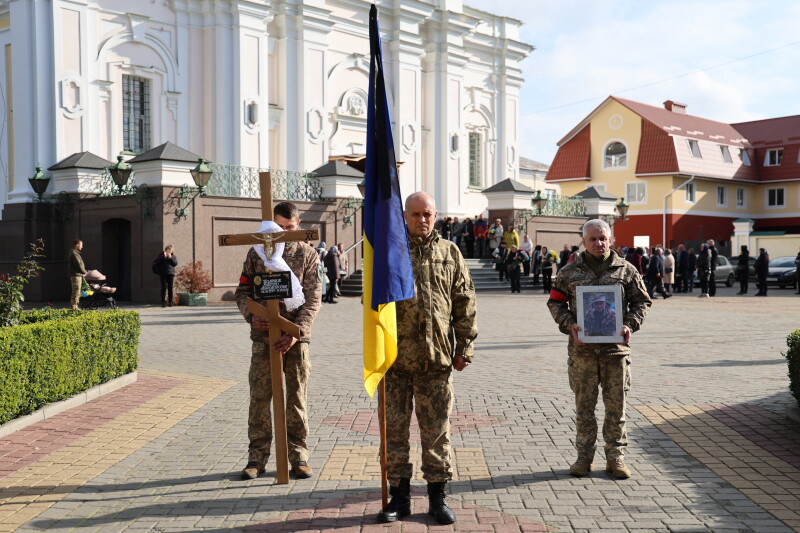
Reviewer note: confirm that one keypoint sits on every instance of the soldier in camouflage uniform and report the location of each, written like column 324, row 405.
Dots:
column 436, row 332
column 600, row 319
column 302, row 260
column 593, row 365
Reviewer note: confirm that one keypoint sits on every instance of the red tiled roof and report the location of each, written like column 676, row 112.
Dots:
column 788, row 169
column 771, row 131
column 572, row 158
column 685, row 125
column 656, row 151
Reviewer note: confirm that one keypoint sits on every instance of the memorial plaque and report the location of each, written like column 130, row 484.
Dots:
column 272, row 286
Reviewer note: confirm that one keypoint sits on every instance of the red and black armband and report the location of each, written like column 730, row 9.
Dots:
column 557, row 295
column 244, row 279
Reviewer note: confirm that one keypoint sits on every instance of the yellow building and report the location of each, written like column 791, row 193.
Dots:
column 686, row 178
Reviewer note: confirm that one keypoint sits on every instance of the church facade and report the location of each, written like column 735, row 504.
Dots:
column 261, row 84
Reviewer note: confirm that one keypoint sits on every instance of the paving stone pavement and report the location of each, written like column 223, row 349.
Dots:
column 710, row 446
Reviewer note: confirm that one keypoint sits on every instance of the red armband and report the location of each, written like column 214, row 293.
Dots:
column 558, row 295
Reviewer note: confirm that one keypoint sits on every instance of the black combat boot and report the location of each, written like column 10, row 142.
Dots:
column 400, row 505
column 439, row 509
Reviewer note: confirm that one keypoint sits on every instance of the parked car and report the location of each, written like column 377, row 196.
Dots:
column 751, row 268
column 782, row 272
column 725, row 272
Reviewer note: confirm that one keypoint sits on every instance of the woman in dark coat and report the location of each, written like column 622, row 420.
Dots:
column 762, row 269
column 742, row 267
column 332, row 265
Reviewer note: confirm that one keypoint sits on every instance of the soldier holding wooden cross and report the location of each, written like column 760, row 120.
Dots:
column 300, row 309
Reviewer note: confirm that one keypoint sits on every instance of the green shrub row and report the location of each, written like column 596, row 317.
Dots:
column 55, row 354
column 793, row 357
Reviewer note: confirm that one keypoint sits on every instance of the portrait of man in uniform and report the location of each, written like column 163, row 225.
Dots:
column 598, row 316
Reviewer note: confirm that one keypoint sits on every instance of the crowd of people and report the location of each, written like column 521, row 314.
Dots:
column 665, row 271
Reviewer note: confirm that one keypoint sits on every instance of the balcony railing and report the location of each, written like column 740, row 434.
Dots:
column 563, row 206
column 242, row 182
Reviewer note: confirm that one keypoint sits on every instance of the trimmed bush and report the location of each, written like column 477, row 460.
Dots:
column 55, row 354
column 793, row 357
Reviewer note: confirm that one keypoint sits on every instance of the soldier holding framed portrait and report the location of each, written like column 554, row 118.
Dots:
column 599, row 300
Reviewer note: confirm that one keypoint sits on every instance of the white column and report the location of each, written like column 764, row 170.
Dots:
column 301, row 49
column 251, row 42
column 443, row 66
column 34, row 92
column 403, row 54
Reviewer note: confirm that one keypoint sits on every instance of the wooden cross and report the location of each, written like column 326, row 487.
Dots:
column 277, row 323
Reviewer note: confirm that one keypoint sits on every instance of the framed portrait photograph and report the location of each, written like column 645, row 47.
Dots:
column 600, row 313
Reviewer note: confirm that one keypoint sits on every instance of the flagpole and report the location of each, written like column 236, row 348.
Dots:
column 382, row 422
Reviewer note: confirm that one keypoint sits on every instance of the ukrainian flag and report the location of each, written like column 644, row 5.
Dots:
column 388, row 276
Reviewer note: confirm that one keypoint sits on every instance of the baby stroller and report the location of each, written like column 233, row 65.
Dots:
column 96, row 293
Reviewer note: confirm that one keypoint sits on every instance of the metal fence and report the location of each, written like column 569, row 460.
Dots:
column 242, row 182
column 563, row 206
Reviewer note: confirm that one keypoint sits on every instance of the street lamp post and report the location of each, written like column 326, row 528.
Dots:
column 201, row 175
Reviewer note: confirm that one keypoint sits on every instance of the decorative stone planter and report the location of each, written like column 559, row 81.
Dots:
column 188, row 298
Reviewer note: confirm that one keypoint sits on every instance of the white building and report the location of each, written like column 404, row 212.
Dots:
column 260, row 84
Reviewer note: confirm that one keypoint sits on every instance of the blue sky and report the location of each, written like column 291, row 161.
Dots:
column 730, row 61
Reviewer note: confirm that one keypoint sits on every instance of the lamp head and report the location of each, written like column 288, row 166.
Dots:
column 120, row 172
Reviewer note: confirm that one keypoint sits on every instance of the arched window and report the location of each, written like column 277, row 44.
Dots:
column 616, row 156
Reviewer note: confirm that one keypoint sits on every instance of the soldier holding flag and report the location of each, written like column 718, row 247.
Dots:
column 421, row 377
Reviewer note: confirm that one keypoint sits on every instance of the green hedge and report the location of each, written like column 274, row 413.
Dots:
column 793, row 357
column 56, row 354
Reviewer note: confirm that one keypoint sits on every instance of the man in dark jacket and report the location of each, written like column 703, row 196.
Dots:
column 712, row 279
column 468, row 236
column 682, row 264
column 704, row 269
column 76, row 272
column 762, row 270
column 165, row 266
column 655, row 273
column 332, row 266
column 692, row 268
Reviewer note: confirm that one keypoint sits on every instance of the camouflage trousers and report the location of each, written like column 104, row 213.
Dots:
column 75, row 283
column 430, row 396
column 296, row 369
column 613, row 374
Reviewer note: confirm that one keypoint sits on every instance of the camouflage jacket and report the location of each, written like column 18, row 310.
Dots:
column 302, row 260
column 563, row 304
column 444, row 299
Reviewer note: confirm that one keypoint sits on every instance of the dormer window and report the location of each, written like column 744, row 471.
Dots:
column 695, row 148
column 616, row 156
column 726, row 153
column 744, row 156
column 774, row 157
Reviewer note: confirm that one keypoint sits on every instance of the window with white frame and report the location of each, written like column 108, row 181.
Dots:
column 616, row 156
column 741, row 199
column 550, row 194
column 726, row 153
column 722, row 196
column 744, row 156
column 135, row 114
column 694, row 146
column 475, row 160
column 599, row 186
column 776, row 197
column 635, row 192
column 774, row 157
column 690, row 192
